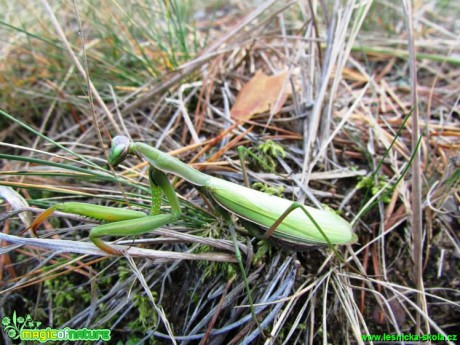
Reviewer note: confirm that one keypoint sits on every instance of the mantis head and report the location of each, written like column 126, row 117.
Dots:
column 119, row 150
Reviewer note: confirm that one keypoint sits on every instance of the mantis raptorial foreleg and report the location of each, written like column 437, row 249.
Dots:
column 159, row 182
column 122, row 222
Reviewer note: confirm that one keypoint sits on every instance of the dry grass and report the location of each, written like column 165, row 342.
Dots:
column 371, row 84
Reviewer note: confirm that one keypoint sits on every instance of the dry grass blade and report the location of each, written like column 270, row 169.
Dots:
column 417, row 231
column 88, row 248
column 79, row 66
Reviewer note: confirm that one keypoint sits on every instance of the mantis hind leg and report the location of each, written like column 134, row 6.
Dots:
column 239, row 259
column 291, row 208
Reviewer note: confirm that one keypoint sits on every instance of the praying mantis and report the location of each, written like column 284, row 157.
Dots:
column 287, row 222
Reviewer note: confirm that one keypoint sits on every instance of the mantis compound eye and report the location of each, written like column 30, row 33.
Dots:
column 119, row 150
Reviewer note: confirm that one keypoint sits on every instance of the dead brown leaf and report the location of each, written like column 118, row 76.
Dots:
column 261, row 94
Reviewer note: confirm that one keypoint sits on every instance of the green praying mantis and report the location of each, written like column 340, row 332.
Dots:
column 287, row 222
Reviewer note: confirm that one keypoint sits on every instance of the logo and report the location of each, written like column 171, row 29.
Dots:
column 14, row 326
column 26, row 329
